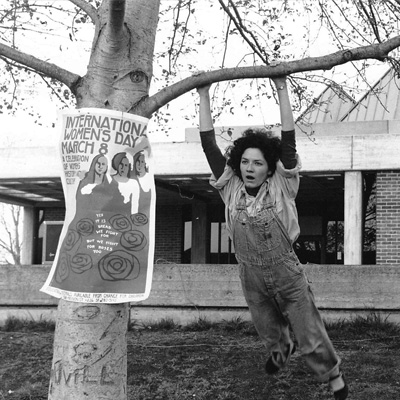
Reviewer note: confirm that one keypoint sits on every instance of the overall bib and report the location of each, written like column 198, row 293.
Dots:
column 277, row 291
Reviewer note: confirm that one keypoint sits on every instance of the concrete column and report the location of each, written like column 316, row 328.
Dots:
column 199, row 232
column 28, row 225
column 353, row 238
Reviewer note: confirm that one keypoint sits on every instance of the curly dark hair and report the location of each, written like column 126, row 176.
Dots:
column 261, row 139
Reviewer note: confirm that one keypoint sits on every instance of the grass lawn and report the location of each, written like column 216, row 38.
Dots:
column 205, row 361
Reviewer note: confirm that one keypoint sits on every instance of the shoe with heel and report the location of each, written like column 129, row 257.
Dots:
column 339, row 387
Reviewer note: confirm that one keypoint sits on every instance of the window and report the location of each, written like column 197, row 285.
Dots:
column 369, row 219
column 187, row 243
column 221, row 246
column 320, row 205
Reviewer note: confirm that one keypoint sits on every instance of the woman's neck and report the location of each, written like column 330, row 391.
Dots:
column 98, row 178
column 252, row 191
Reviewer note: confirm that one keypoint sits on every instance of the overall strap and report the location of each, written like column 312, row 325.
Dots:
column 283, row 229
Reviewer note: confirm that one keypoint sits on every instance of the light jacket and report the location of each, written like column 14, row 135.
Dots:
column 281, row 189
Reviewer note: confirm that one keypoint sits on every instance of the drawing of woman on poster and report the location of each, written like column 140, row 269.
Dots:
column 96, row 174
column 95, row 188
column 141, row 170
column 94, row 193
column 127, row 186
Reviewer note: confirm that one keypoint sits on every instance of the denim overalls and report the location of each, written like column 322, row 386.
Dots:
column 277, row 291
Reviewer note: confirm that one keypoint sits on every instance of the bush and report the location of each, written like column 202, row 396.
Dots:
column 165, row 324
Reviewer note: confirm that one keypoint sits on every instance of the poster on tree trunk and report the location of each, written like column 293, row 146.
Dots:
column 106, row 248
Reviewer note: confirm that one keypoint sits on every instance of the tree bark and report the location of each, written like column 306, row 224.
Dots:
column 121, row 64
column 90, row 354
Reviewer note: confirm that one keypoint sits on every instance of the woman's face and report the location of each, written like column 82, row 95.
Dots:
column 123, row 167
column 254, row 168
column 101, row 166
column 140, row 166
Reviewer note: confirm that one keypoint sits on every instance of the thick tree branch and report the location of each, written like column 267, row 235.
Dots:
column 377, row 51
column 116, row 15
column 51, row 70
column 88, row 9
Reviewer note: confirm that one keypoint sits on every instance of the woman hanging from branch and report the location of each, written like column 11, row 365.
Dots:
column 258, row 182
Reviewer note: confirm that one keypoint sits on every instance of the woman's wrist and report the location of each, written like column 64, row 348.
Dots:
column 280, row 83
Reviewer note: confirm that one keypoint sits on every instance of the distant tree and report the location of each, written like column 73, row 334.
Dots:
column 335, row 237
column 369, row 212
column 10, row 234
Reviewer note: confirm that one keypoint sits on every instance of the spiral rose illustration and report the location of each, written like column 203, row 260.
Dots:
column 81, row 263
column 139, row 219
column 133, row 240
column 85, row 226
column 62, row 270
column 119, row 266
column 120, row 223
column 71, row 239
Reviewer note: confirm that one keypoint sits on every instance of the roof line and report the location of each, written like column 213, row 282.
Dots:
column 366, row 94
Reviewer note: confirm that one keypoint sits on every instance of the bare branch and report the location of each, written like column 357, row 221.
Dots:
column 176, row 24
column 88, row 9
column 52, row 89
column 371, row 19
column 51, row 70
column 184, row 32
column 377, row 51
column 334, row 27
column 242, row 30
column 393, row 7
column 226, row 43
column 9, row 64
column 172, row 58
column 10, row 229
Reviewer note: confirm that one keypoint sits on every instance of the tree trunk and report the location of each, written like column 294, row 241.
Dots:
column 90, row 354
column 121, row 63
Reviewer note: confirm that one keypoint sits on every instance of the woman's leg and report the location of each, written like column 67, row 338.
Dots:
column 268, row 320
column 311, row 335
column 296, row 301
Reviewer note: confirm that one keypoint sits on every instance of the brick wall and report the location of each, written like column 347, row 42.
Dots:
column 388, row 217
column 54, row 214
column 169, row 231
column 169, row 234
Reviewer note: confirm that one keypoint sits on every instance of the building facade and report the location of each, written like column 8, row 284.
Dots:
column 348, row 201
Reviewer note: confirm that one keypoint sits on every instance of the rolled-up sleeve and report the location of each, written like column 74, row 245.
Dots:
column 223, row 180
column 226, row 184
